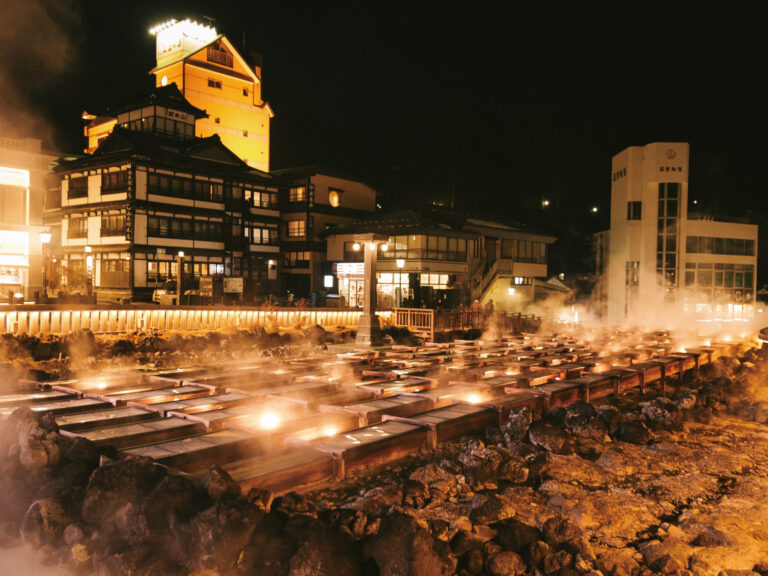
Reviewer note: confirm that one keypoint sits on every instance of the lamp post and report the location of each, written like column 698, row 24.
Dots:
column 368, row 327
column 180, row 261
column 89, row 270
column 45, row 238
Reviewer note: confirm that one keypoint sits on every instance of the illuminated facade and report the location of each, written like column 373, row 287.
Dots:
column 662, row 259
column 213, row 76
column 438, row 258
column 23, row 171
column 314, row 200
column 153, row 195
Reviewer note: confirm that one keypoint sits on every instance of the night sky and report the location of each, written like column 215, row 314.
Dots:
column 497, row 110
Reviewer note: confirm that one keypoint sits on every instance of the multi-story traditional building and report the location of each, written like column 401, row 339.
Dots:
column 313, row 200
column 435, row 257
column 213, row 76
column 663, row 260
column 24, row 167
column 154, row 195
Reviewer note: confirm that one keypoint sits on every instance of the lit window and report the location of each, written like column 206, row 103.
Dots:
column 297, row 194
column 296, row 228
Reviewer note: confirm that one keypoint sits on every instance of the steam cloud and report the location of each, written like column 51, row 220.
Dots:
column 40, row 44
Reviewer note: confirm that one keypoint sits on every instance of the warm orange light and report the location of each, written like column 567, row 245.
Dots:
column 473, row 398
column 269, row 421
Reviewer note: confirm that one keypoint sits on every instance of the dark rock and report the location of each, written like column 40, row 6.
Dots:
column 219, row 484
column 402, row 547
column 619, row 562
column 556, row 562
column 549, row 437
column 293, row 503
column 579, row 415
column 480, row 464
column 113, row 485
column 491, row 508
column 513, row 470
column 538, row 464
column 415, row 493
column 666, row 565
column 325, row 552
column 472, row 561
column 558, row 530
column 516, row 536
column 44, row 524
column 218, row 534
column 438, row 478
column 635, row 432
column 611, row 417
column 269, row 551
column 505, row 564
column 537, row 552
column 516, row 428
column 122, row 348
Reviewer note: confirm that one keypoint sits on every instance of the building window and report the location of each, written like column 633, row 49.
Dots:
column 218, row 54
column 217, row 120
column 296, row 259
column 296, row 228
column 632, row 277
column 260, row 198
column 297, row 194
column 666, row 241
column 245, row 91
column 185, row 228
column 77, row 228
column 245, row 133
column 114, row 181
column 634, row 210
column 264, row 235
column 726, row 246
column 78, row 187
column 113, row 225
column 214, row 83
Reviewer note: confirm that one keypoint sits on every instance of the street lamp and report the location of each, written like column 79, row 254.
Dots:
column 89, row 270
column 45, row 238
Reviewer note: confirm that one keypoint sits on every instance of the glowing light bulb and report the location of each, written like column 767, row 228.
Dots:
column 269, row 421
column 330, row 431
column 473, row 398
column 356, row 246
column 101, row 385
column 384, row 247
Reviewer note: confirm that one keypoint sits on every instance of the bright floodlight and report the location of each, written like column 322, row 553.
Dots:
column 384, row 247
column 473, row 398
column 511, row 291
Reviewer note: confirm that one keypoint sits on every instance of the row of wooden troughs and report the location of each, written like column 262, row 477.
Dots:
column 286, row 425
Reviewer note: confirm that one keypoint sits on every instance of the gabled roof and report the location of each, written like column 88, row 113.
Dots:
column 168, row 96
column 197, row 154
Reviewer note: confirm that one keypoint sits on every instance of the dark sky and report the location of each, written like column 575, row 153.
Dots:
column 497, row 108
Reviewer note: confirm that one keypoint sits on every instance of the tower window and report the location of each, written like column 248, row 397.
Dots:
column 634, row 210
column 214, row 83
column 245, row 91
column 218, row 54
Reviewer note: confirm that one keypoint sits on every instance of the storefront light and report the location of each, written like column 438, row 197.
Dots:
column 384, row 247
column 400, row 263
column 356, row 246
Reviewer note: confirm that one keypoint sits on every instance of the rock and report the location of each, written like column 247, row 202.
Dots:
column 44, row 524
column 666, row 565
column 325, row 552
column 537, row 552
column 403, row 547
column 549, row 437
column 579, row 415
column 473, row 539
column 513, row 470
column 635, row 432
column 556, row 562
column 491, row 508
column 113, row 485
column 516, row 428
column 378, row 498
column 472, row 562
column 558, row 530
column 479, row 464
column 436, row 477
column 516, row 536
column 619, row 562
column 611, row 416
column 269, row 551
column 293, row 503
column 219, row 484
column 218, row 534
column 505, row 564
column 415, row 493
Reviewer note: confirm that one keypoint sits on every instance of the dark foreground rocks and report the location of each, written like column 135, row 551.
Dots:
column 645, row 485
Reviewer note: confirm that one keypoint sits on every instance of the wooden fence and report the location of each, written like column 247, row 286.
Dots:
column 37, row 320
column 428, row 322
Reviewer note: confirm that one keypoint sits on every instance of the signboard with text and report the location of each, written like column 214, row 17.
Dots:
column 233, row 285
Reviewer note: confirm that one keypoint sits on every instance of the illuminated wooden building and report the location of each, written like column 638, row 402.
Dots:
column 213, row 76
column 23, row 171
column 152, row 190
column 314, row 200
column 433, row 254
